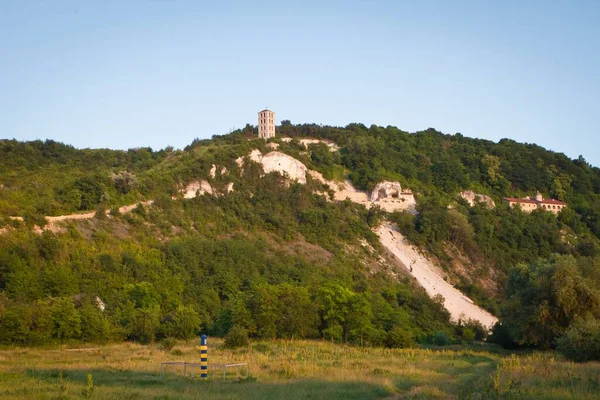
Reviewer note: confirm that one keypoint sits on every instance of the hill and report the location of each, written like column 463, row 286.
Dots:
column 281, row 259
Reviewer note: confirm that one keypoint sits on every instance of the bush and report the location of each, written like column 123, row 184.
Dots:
column 479, row 331
column 468, row 336
column 581, row 342
column 441, row 338
column 501, row 337
column 100, row 212
column 236, row 337
column 399, row 338
column 168, row 343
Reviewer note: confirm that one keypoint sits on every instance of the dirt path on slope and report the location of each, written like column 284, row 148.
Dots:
column 53, row 221
column 431, row 277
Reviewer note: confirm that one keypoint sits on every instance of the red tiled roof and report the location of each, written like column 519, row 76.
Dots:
column 515, row 200
column 529, row 201
column 552, row 201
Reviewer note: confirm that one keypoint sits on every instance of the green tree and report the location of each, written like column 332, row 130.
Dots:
column 186, row 322
column 95, row 327
column 581, row 342
column 66, row 319
column 544, row 298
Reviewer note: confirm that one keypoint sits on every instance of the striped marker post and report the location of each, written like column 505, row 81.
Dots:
column 203, row 358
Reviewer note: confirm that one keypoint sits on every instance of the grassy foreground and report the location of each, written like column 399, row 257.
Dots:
column 292, row 370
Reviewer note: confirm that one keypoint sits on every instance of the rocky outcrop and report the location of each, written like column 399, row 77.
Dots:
column 391, row 197
column 276, row 161
column 386, row 190
column 197, row 188
column 473, row 198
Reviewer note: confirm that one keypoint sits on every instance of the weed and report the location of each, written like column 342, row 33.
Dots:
column 89, row 390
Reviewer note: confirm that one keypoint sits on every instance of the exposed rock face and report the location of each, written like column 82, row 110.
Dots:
column 390, row 197
column 213, row 171
column 431, row 278
column 386, row 190
column 276, row 161
column 272, row 146
column 197, row 188
column 282, row 163
column 229, row 187
column 255, row 155
column 473, row 198
column 239, row 161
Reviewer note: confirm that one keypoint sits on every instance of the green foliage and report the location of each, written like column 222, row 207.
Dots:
column 66, row 319
column 95, row 326
column 278, row 261
column 581, row 342
column 543, row 299
column 168, row 343
column 14, row 324
column 441, row 338
column 88, row 391
column 186, row 322
column 399, row 338
column 236, row 337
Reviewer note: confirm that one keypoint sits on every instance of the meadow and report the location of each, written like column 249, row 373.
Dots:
column 292, row 370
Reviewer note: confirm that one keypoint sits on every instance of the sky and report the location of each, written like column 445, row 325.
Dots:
column 124, row 74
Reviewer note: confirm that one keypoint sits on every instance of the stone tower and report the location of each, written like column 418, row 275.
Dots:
column 266, row 124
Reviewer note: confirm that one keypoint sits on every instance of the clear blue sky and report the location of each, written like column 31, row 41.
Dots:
column 124, row 74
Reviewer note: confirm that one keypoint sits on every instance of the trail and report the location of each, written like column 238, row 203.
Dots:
column 52, row 221
column 431, row 278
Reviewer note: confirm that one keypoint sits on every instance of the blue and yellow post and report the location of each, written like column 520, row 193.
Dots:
column 203, row 358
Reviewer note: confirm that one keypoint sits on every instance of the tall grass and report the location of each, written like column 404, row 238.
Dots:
column 290, row 370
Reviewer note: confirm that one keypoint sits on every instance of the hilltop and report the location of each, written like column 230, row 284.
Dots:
column 221, row 239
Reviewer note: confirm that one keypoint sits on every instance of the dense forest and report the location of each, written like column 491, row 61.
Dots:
column 277, row 260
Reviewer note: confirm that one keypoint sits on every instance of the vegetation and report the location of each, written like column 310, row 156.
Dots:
column 278, row 260
column 208, row 264
column 293, row 370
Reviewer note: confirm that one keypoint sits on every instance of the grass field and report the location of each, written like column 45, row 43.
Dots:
column 293, row 370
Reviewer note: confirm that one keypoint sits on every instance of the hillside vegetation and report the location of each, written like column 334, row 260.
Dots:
column 278, row 260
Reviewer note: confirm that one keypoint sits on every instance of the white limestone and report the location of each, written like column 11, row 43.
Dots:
column 473, row 198
column 432, row 278
column 197, row 188
column 287, row 165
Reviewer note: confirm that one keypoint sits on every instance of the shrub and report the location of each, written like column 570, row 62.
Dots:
column 399, row 338
column 185, row 322
column 441, row 338
column 501, row 337
column 100, row 212
column 581, row 342
column 468, row 336
column 168, row 343
column 236, row 337
column 479, row 331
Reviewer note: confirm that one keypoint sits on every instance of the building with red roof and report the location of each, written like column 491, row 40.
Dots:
column 528, row 204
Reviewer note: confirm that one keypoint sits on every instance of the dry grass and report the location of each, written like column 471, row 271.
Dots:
column 290, row 370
